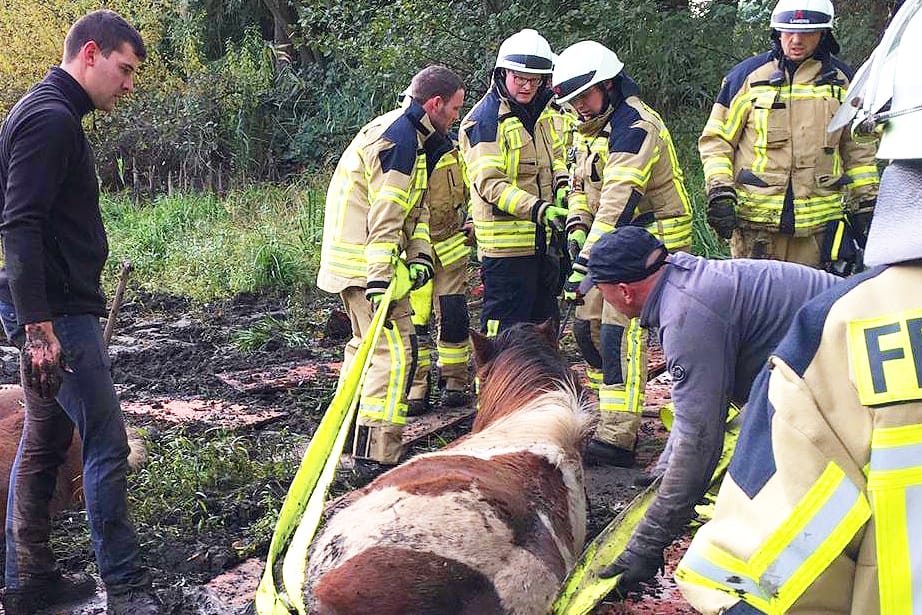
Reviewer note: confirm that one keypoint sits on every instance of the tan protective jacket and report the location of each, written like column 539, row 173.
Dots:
column 447, row 198
column 512, row 171
column 374, row 209
column 768, row 130
column 820, row 511
column 627, row 172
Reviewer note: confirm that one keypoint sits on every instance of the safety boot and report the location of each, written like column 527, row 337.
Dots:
column 417, row 407
column 44, row 592
column 132, row 600
column 602, row 453
column 455, row 399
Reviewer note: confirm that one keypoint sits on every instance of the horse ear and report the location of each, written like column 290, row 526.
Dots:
column 484, row 350
column 548, row 329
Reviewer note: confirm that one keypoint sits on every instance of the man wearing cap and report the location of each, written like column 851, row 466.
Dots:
column 775, row 177
column 514, row 150
column 717, row 321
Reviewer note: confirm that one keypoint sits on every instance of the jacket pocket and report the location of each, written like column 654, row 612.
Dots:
column 765, row 182
column 772, row 119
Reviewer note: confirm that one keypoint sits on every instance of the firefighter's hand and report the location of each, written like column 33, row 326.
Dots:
column 633, row 568
column 468, row 230
column 561, row 195
column 722, row 211
column 553, row 216
column 374, row 297
column 42, row 360
column 571, row 291
column 420, row 273
column 576, row 239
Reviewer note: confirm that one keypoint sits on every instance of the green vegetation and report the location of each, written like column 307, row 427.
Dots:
column 269, row 329
column 205, row 247
column 212, row 481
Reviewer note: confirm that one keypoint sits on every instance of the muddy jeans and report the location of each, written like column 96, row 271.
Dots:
column 86, row 399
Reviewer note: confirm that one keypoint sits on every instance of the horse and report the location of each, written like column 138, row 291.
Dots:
column 490, row 524
column 68, row 491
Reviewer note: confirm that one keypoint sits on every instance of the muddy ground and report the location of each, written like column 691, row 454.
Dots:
column 165, row 347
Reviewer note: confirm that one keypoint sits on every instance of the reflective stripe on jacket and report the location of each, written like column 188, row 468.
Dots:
column 447, row 199
column 510, row 171
column 636, row 178
column 767, row 130
column 374, row 208
column 821, row 511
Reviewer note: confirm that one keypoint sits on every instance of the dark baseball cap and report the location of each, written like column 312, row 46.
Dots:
column 623, row 255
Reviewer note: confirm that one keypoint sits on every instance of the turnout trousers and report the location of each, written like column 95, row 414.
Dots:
column 382, row 410
column 444, row 298
column 619, row 352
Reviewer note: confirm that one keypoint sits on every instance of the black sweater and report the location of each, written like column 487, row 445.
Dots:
column 54, row 242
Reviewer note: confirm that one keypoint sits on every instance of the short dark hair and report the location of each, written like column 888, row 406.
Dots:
column 434, row 81
column 108, row 29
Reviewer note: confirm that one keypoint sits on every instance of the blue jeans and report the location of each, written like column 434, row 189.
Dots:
column 86, row 399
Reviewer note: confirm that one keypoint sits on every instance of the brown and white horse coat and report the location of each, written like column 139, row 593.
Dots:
column 488, row 525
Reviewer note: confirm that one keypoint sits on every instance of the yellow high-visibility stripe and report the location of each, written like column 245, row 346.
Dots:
column 492, row 328
column 895, row 488
column 451, row 250
column 453, row 355
column 790, row 559
column 633, row 385
column 383, row 253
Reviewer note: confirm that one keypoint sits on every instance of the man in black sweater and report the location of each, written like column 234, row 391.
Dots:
column 50, row 302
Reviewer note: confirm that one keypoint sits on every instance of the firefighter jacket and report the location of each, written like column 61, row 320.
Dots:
column 627, row 171
column 820, row 511
column 766, row 137
column 514, row 164
column 718, row 322
column 374, row 208
column 447, row 199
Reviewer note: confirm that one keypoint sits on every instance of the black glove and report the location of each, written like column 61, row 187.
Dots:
column 861, row 223
column 722, row 211
column 633, row 568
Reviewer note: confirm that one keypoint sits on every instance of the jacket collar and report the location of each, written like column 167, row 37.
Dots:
column 527, row 114
column 420, row 120
column 73, row 92
column 650, row 315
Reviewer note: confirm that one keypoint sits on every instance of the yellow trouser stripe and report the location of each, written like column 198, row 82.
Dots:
column 392, row 408
column 453, row 355
column 633, row 385
column 814, row 533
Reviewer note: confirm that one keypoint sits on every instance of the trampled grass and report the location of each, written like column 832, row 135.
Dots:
column 206, row 247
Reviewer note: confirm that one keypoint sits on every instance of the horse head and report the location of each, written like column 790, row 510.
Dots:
column 516, row 367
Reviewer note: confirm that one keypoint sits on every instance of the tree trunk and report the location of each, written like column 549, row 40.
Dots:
column 285, row 24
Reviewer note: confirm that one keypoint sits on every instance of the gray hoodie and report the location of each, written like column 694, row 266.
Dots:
column 718, row 322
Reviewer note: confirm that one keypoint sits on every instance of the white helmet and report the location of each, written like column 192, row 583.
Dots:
column 800, row 15
column 581, row 66
column 526, row 52
column 886, row 98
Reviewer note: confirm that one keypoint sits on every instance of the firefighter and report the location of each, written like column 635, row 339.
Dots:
column 626, row 173
column 374, row 213
column 775, row 177
column 717, row 321
column 447, row 197
column 819, row 513
column 514, row 150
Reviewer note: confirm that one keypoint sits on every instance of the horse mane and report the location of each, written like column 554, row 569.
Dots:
column 515, row 368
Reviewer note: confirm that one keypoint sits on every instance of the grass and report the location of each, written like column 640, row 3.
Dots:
column 265, row 237
column 268, row 329
column 214, row 481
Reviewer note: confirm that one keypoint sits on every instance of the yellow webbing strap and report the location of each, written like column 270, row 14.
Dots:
column 303, row 506
column 583, row 589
